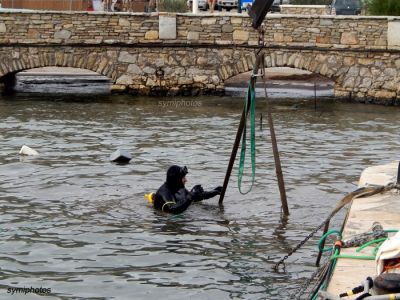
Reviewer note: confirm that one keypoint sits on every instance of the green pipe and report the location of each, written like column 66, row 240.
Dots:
column 370, row 243
column 322, row 239
column 377, row 248
column 365, row 257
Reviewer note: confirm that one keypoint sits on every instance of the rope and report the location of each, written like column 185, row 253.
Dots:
column 250, row 106
column 328, row 274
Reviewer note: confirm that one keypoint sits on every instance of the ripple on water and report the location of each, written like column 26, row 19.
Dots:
column 78, row 224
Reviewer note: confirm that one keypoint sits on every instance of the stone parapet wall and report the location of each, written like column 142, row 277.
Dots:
column 306, row 9
column 75, row 27
column 227, row 29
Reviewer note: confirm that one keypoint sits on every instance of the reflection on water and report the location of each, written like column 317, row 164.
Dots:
column 78, row 224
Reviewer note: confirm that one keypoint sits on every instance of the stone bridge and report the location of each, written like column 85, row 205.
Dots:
column 189, row 54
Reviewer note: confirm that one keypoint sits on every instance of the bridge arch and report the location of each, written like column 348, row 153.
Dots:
column 328, row 65
column 142, row 52
column 169, row 71
column 17, row 61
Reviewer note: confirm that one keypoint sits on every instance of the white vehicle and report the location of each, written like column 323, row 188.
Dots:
column 203, row 5
column 227, row 4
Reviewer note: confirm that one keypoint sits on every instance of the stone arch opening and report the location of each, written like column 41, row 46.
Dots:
column 59, row 80
column 19, row 60
column 329, row 66
column 283, row 82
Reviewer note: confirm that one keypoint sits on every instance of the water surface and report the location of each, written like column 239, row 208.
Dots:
column 74, row 222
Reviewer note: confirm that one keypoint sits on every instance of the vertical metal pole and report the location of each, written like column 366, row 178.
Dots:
column 322, row 244
column 278, row 167
column 315, row 95
column 398, row 174
column 239, row 10
column 233, row 156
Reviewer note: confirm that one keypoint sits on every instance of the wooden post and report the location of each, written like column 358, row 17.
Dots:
column 278, row 167
column 233, row 156
column 322, row 245
column 315, row 95
column 398, row 174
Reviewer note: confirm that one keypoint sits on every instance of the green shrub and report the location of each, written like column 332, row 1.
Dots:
column 383, row 7
column 311, row 2
column 172, row 6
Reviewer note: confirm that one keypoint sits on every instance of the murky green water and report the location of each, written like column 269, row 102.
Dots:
column 78, row 224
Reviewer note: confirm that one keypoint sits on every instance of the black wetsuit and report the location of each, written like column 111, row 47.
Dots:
column 173, row 197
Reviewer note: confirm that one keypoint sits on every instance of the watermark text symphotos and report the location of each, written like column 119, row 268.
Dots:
column 28, row 290
column 179, row 103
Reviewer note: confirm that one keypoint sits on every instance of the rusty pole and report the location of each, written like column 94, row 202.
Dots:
column 278, row 167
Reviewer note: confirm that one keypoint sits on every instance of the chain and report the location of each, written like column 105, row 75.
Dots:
column 353, row 195
column 282, row 261
column 322, row 271
column 304, row 291
column 261, row 43
column 261, row 32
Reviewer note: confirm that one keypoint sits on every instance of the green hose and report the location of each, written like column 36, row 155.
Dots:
column 364, row 257
column 375, row 251
column 336, row 254
column 250, row 100
column 322, row 239
column 370, row 243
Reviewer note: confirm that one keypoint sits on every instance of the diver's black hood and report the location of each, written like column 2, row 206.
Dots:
column 174, row 177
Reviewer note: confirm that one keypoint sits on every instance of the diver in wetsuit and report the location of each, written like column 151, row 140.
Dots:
column 173, row 197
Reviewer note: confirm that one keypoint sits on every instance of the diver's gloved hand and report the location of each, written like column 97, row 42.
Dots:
column 197, row 193
column 218, row 189
column 197, row 189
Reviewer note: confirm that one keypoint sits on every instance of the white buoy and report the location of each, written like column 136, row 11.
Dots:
column 25, row 150
column 120, row 156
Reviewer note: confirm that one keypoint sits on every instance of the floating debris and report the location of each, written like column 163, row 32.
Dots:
column 120, row 156
column 25, row 150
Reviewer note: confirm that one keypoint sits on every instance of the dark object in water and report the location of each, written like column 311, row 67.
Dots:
column 120, row 156
column 259, row 10
column 387, row 283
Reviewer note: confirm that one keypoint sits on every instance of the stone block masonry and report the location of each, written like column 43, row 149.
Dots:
column 150, row 53
column 306, row 10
